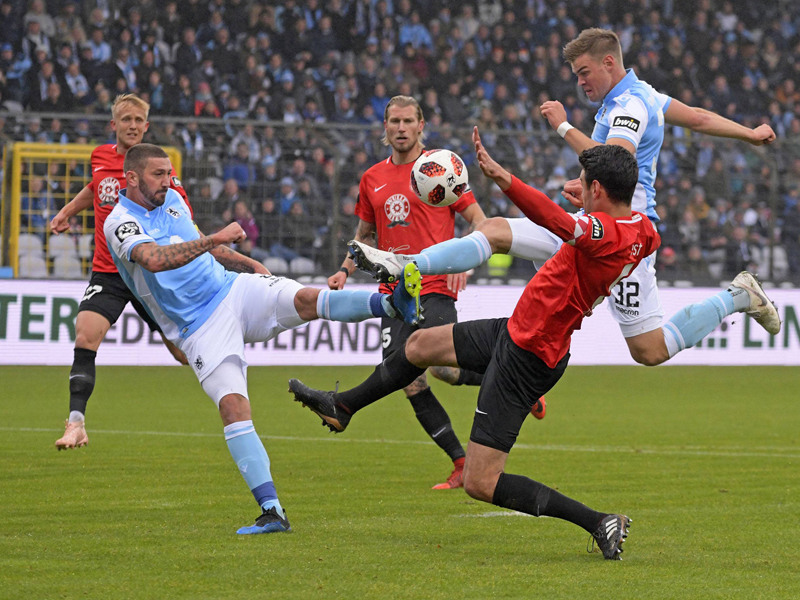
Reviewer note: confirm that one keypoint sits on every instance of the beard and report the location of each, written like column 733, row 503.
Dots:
column 154, row 197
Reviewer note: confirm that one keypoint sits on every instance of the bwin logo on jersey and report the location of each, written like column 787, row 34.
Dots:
column 173, row 213
column 628, row 122
column 126, row 230
column 597, row 228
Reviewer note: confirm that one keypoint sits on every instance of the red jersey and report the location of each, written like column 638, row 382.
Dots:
column 108, row 179
column 404, row 224
column 599, row 250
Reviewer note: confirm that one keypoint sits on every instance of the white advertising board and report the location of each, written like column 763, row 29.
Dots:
column 37, row 328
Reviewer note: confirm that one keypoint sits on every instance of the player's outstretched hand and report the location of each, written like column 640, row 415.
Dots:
column 488, row 165
column 457, row 282
column 573, row 191
column 554, row 112
column 763, row 134
column 231, row 234
column 337, row 280
column 59, row 224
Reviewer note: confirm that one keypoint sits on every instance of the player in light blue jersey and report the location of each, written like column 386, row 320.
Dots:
column 210, row 301
column 632, row 114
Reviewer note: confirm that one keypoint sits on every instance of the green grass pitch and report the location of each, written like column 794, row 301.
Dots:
column 706, row 461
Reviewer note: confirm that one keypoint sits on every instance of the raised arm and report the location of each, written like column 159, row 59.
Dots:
column 705, row 121
column 157, row 258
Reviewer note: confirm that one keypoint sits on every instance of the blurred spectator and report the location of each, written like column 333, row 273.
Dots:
column 240, row 168
column 287, row 195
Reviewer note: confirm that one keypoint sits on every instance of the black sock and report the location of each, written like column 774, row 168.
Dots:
column 466, row 377
column 435, row 421
column 526, row 495
column 81, row 379
column 393, row 374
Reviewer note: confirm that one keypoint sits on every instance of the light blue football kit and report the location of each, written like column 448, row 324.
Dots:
column 210, row 313
column 634, row 111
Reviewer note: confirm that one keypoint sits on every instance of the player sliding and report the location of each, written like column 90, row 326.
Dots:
column 522, row 357
column 209, row 301
column 632, row 115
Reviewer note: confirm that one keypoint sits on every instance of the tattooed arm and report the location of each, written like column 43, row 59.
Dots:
column 236, row 262
column 157, row 258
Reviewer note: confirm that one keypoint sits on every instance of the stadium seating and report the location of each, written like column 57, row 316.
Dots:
column 30, row 244
column 32, row 266
column 276, row 265
column 67, row 266
column 61, row 245
column 302, row 266
column 85, row 249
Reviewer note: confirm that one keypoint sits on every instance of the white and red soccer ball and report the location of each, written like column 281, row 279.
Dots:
column 439, row 177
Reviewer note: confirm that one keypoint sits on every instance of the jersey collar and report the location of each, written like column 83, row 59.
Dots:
column 624, row 83
column 130, row 205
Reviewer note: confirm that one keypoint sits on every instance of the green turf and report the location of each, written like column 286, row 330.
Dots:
column 705, row 461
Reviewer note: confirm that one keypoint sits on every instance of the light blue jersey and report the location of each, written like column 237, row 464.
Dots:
column 180, row 300
column 634, row 111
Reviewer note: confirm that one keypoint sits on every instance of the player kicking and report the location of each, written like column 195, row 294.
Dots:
column 210, row 301
column 632, row 115
column 522, row 357
column 107, row 295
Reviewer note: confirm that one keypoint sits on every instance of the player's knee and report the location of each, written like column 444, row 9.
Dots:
column 476, row 488
column 415, row 349
column 305, row 302
column 498, row 232
column 649, row 357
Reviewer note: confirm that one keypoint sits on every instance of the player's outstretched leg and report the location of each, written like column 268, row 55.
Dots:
column 761, row 308
column 609, row 536
column 539, row 409
column 322, row 404
column 384, row 266
column 405, row 297
column 453, row 256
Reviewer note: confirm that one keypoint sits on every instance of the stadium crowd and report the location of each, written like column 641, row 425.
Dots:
column 259, row 89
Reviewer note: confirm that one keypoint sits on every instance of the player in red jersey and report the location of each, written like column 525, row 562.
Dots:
column 523, row 357
column 394, row 219
column 107, row 295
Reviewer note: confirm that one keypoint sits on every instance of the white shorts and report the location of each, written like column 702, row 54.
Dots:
column 257, row 308
column 634, row 302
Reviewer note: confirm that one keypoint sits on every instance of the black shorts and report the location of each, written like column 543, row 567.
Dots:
column 439, row 310
column 107, row 295
column 514, row 379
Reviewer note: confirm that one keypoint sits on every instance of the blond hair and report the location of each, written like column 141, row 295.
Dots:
column 129, row 99
column 402, row 102
column 595, row 42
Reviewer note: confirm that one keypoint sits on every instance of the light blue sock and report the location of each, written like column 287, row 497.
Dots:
column 251, row 457
column 455, row 256
column 352, row 306
column 694, row 322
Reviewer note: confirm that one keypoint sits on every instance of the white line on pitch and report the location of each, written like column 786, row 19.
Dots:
column 761, row 452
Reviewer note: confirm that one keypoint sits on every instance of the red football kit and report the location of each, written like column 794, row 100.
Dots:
column 108, row 179
column 404, row 224
column 599, row 250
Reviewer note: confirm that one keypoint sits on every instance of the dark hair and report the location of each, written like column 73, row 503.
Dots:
column 137, row 156
column 614, row 168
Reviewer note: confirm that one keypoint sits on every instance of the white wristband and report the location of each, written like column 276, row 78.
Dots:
column 564, row 128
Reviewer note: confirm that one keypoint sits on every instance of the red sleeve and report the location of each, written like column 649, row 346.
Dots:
column 363, row 208
column 541, row 210
column 176, row 185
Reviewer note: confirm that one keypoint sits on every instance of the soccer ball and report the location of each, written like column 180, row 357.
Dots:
column 439, row 177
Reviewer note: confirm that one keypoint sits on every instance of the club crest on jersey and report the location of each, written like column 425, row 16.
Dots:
column 173, row 213
column 627, row 122
column 108, row 191
column 126, row 230
column 597, row 228
column 397, row 208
